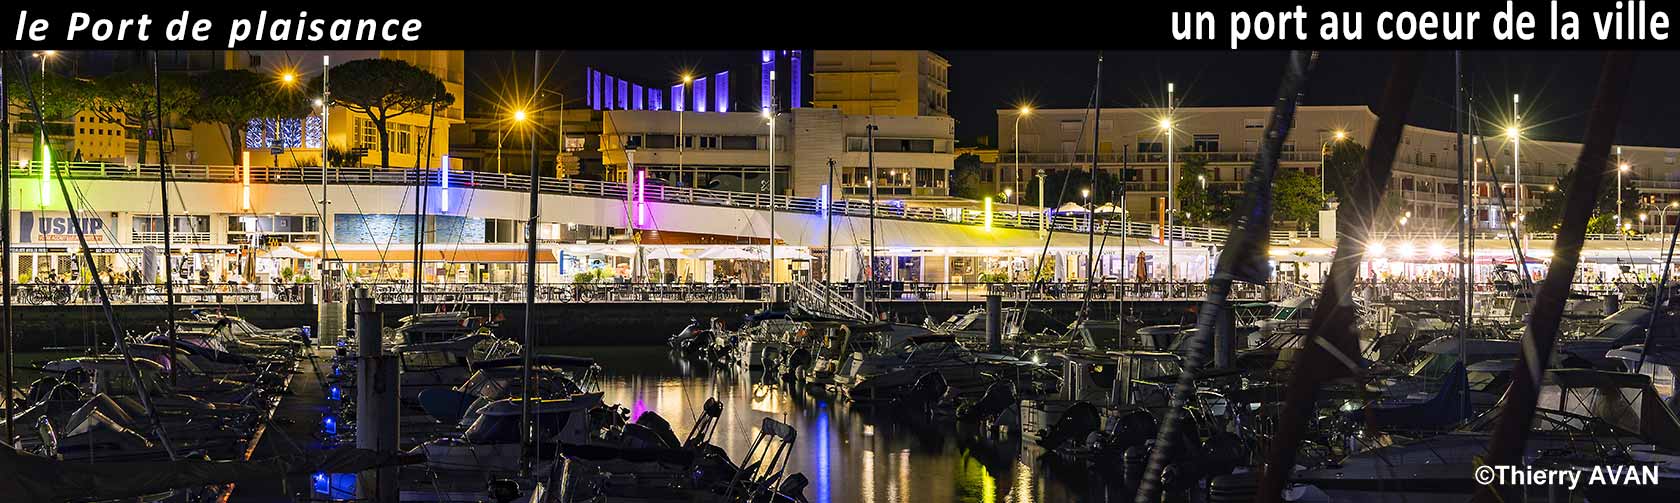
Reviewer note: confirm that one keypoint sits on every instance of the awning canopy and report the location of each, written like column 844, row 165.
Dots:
column 439, row 253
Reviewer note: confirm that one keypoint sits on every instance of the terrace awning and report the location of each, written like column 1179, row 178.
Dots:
column 442, row 253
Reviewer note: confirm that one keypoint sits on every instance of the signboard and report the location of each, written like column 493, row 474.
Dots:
column 57, row 227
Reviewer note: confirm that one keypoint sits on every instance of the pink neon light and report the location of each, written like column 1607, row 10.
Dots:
column 641, row 198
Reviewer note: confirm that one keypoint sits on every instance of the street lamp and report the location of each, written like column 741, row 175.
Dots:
column 682, row 139
column 1172, row 184
column 1662, row 214
column 1024, row 111
column 1514, row 132
column 1621, row 167
column 501, row 133
column 1323, row 151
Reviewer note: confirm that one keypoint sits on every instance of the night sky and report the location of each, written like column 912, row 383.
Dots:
column 1556, row 87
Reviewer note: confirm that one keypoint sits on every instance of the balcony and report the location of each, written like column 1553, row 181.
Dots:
column 1147, row 157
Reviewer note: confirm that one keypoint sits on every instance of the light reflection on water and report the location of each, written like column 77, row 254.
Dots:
column 850, row 455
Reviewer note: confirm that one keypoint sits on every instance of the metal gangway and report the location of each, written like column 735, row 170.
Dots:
column 818, row 299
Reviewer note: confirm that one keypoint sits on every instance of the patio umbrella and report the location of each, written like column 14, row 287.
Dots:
column 287, row 252
column 663, row 252
column 1071, row 208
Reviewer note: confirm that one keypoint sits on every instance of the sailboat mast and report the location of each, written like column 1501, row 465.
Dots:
column 420, row 206
column 526, row 453
column 1090, row 211
column 870, row 270
column 168, row 250
column 6, row 237
column 1463, row 225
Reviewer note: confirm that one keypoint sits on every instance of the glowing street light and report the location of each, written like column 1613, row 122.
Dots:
column 1621, row 167
column 1323, row 152
column 1023, row 111
column 519, row 118
column 682, row 138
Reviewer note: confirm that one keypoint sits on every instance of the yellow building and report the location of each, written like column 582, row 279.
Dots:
column 97, row 138
column 92, row 138
column 347, row 131
column 905, row 83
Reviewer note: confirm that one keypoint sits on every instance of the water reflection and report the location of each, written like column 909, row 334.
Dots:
column 849, row 454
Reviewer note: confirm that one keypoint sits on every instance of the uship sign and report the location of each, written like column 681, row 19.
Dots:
column 38, row 227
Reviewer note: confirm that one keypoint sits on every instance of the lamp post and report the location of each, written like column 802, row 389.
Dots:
column 1021, row 112
column 1171, row 184
column 770, row 116
column 1324, row 151
column 1662, row 214
column 682, row 138
column 518, row 117
column 326, row 107
column 1515, row 134
column 1041, row 208
column 1622, row 167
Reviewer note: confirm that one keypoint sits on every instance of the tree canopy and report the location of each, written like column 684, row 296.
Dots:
column 382, row 89
column 1548, row 213
column 132, row 100
column 233, row 98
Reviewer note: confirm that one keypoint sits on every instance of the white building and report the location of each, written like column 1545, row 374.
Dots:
column 731, row 151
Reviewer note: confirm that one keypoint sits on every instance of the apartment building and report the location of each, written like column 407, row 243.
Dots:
column 103, row 137
column 1425, row 171
column 731, row 151
column 881, row 82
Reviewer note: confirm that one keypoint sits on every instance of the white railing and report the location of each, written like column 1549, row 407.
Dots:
column 616, row 190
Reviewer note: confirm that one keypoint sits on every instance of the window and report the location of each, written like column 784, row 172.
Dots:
column 402, row 138
column 1251, row 145
column 930, row 178
column 1069, row 146
column 739, row 143
column 1072, row 126
column 1150, row 147
column 366, row 135
column 708, row 142
column 1205, row 143
column 903, row 145
column 1254, row 123
column 656, row 141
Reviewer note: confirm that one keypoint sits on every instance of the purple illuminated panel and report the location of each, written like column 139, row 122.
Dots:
column 623, row 94
column 677, row 97
column 598, row 101
column 657, row 97
column 766, row 66
column 700, row 94
column 607, row 92
column 722, row 82
column 793, row 81
column 636, row 96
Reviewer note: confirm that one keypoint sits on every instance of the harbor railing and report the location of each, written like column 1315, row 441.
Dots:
column 886, row 291
column 1082, row 222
